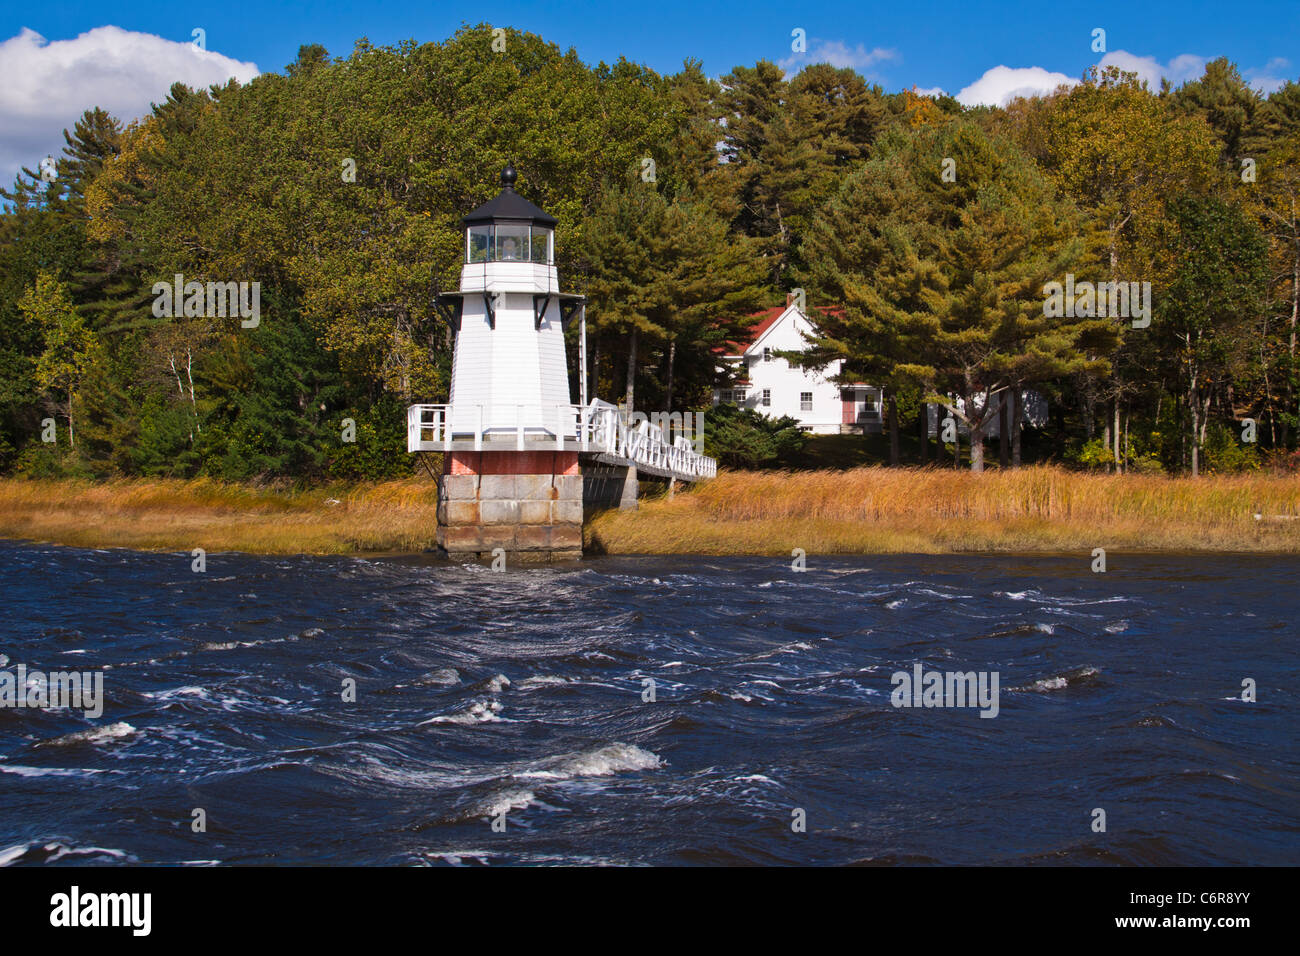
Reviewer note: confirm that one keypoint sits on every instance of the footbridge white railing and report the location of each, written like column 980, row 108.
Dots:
column 598, row 428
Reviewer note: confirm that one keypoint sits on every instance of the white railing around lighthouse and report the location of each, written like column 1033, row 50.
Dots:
column 596, row 428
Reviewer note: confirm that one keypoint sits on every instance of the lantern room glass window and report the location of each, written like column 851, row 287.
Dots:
column 541, row 251
column 479, row 244
column 506, row 242
column 511, row 243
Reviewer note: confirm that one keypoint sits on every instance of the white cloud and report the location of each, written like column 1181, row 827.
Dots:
column 839, row 55
column 935, row 91
column 1002, row 84
column 1271, row 76
column 1187, row 66
column 47, row 86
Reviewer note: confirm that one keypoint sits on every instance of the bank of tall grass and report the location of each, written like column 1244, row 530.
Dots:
column 859, row 511
column 935, row 510
column 174, row 515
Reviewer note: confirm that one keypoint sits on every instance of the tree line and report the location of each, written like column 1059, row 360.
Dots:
column 923, row 233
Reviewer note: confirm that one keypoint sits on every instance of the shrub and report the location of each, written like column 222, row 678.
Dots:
column 1225, row 454
column 743, row 438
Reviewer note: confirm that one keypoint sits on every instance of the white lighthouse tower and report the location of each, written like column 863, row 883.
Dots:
column 509, row 363
column 511, row 435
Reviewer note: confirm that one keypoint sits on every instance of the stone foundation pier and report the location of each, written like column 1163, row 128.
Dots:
column 528, row 503
column 609, row 486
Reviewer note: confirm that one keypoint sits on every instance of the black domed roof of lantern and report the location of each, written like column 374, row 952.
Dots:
column 509, row 205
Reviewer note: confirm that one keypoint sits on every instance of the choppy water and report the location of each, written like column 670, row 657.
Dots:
column 482, row 692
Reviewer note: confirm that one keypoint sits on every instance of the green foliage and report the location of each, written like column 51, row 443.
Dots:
column 379, row 452
column 1225, row 454
column 763, row 181
column 666, row 273
column 1093, row 455
column 743, row 438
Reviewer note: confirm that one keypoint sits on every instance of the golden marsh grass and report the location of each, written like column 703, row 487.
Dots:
column 173, row 515
column 933, row 510
column 859, row 511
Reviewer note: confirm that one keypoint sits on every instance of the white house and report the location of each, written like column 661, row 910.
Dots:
column 772, row 386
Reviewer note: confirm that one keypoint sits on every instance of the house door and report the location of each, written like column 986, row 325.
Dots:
column 859, row 405
column 849, row 406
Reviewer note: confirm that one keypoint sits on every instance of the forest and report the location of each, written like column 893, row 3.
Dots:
column 923, row 233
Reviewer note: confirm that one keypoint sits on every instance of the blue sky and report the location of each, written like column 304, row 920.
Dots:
column 954, row 46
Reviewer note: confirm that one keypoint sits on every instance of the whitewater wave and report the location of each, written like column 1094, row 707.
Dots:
column 52, row 852
column 479, row 712
column 1071, row 678
column 442, row 677
column 93, row 735
column 506, row 801
column 543, row 680
column 599, row 762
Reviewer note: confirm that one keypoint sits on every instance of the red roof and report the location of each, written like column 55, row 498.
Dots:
column 755, row 331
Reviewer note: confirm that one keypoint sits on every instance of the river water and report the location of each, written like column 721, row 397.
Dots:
column 505, row 717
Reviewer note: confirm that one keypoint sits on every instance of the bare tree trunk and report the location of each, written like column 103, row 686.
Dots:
column 194, row 405
column 977, row 447
column 1004, row 428
column 1089, row 424
column 631, row 370
column 1017, row 412
column 1128, row 414
column 925, row 432
column 672, row 357
column 1295, row 316
column 1119, row 462
column 893, row 430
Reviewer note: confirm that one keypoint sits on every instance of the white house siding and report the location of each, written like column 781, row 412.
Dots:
column 787, row 382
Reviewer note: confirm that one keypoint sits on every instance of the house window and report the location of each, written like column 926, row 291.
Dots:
column 767, row 355
column 805, row 401
column 767, row 398
column 871, row 402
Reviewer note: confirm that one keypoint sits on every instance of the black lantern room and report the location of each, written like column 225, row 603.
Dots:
column 509, row 229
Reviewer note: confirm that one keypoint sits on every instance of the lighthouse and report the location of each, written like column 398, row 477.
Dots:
column 520, row 456
column 509, row 357
column 511, row 479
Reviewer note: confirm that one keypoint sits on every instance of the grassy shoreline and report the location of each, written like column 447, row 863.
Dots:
column 867, row 510
column 176, row 515
column 875, row 510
